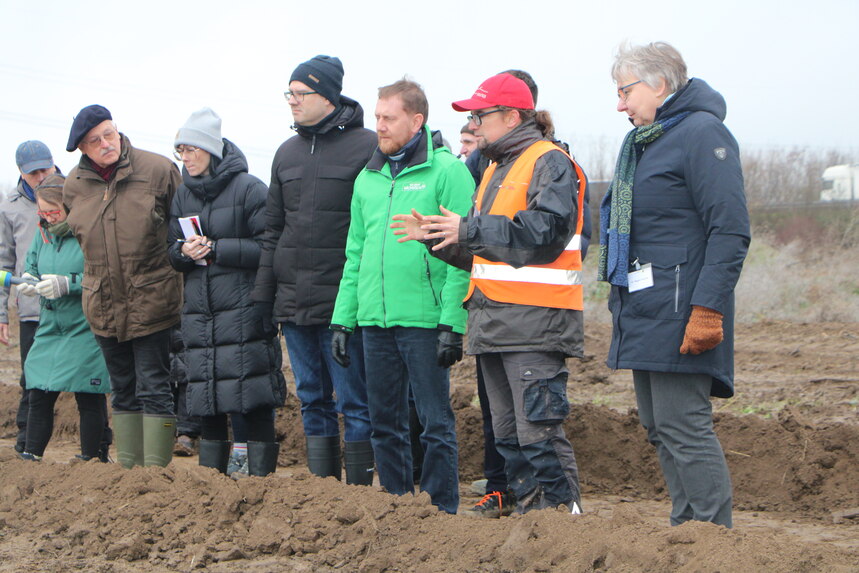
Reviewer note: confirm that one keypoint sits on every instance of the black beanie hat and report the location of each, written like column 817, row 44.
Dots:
column 322, row 74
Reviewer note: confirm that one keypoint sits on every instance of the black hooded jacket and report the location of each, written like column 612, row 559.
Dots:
column 231, row 365
column 307, row 216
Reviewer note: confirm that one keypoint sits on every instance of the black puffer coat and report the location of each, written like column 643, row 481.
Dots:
column 232, row 367
column 307, row 215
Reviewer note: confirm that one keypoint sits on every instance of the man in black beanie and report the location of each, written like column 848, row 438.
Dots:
column 119, row 199
column 307, row 220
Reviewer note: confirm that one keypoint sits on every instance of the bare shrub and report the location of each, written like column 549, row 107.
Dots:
column 787, row 175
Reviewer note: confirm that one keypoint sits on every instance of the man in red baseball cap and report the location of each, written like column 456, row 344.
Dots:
column 521, row 241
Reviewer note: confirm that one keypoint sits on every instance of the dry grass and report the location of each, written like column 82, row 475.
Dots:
column 792, row 282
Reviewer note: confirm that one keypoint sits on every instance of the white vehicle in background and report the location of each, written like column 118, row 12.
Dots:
column 840, row 183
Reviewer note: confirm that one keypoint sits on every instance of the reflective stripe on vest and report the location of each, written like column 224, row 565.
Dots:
column 555, row 285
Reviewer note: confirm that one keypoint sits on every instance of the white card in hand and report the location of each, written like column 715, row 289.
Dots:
column 641, row 278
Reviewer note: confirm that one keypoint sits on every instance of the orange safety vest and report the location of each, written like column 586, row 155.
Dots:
column 554, row 285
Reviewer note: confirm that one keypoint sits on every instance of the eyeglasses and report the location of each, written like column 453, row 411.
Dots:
column 299, row 96
column 182, row 150
column 96, row 139
column 49, row 214
column 477, row 118
column 622, row 94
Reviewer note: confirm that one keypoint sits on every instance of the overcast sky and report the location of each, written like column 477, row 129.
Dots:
column 787, row 69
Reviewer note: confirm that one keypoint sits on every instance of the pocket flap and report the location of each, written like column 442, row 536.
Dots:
column 90, row 282
column 541, row 371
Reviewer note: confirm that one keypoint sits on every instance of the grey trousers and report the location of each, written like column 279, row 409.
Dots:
column 675, row 410
column 527, row 394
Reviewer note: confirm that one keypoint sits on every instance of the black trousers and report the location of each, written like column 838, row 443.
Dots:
column 259, row 424
column 27, row 332
column 40, row 422
column 139, row 373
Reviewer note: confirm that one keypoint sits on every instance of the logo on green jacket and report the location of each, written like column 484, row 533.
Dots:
column 414, row 187
column 95, row 381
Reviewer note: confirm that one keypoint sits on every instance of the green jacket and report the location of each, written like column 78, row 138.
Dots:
column 65, row 356
column 386, row 283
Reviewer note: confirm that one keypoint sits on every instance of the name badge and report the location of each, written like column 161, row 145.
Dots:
column 641, row 278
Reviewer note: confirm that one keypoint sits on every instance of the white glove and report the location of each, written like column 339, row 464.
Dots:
column 53, row 286
column 25, row 289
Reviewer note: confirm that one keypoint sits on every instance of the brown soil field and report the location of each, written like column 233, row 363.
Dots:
column 791, row 436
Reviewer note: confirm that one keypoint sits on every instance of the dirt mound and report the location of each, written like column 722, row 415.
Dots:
column 101, row 517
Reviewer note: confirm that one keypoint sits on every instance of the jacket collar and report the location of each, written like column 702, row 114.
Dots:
column 422, row 157
column 513, row 144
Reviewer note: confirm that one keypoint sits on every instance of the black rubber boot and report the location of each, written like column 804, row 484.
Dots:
column 359, row 463
column 215, row 454
column 323, row 456
column 415, row 431
column 262, row 458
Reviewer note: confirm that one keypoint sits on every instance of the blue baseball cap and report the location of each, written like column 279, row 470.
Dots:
column 33, row 155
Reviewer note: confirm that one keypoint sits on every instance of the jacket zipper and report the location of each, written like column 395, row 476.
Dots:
column 429, row 279
column 312, row 144
column 676, row 288
column 390, row 201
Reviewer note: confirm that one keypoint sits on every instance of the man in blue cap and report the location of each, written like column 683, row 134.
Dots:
column 119, row 199
column 18, row 222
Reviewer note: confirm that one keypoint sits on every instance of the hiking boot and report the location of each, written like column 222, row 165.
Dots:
column 492, row 506
column 30, row 457
column 184, row 446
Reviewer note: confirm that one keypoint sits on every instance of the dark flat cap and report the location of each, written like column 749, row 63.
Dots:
column 85, row 120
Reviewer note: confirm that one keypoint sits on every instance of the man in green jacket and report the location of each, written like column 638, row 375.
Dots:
column 408, row 303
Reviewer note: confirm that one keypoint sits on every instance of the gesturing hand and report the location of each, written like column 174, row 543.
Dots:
column 409, row 227
column 444, row 226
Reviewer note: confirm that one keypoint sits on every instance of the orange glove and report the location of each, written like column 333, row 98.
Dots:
column 703, row 331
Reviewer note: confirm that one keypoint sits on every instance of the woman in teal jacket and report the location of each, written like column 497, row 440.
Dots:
column 65, row 356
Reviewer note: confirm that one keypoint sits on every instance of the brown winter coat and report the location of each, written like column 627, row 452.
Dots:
column 129, row 288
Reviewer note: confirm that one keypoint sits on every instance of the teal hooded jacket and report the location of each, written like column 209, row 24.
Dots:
column 65, row 356
column 386, row 283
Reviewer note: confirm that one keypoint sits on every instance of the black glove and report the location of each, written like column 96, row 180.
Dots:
column 340, row 347
column 265, row 314
column 449, row 348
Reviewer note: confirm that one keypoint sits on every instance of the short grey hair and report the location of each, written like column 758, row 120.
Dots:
column 650, row 63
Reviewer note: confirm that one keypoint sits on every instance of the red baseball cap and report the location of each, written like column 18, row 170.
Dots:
column 502, row 89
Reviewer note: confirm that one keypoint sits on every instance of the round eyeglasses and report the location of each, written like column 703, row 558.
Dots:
column 185, row 150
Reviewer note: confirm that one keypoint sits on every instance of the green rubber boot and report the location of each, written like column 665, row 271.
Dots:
column 159, row 432
column 128, row 437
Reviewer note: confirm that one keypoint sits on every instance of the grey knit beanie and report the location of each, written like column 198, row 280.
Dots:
column 203, row 130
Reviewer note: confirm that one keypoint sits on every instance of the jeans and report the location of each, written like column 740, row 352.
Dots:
column 398, row 358
column 675, row 410
column 139, row 373
column 318, row 379
column 528, row 398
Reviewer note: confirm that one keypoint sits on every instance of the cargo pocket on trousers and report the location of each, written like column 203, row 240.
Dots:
column 545, row 393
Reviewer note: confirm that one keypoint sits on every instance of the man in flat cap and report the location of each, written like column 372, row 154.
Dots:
column 307, row 220
column 18, row 222
column 118, row 199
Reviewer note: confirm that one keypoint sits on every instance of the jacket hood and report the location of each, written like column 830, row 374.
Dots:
column 211, row 185
column 514, row 143
column 348, row 114
column 696, row 95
